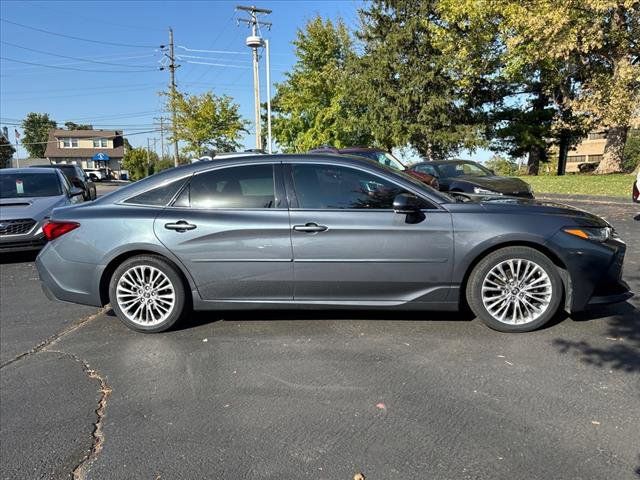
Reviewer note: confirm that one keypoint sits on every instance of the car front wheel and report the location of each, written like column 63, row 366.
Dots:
column 515, row 289
column 147, row 294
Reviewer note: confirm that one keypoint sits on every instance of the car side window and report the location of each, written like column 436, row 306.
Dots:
column 248, row 186
column 66, row 186
column 338, row 187
column 428, row 169
column 158, row 196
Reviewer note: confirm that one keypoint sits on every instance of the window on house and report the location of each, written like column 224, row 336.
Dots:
column 595, row 158
column 597, row 135
column 100, row 143
column 70, row 142
column 576, row 158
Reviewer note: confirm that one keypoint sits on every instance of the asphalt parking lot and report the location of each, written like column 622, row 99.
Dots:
column 319, row 395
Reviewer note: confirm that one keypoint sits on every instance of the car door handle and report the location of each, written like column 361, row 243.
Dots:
column 180, row 226
column 310, row 228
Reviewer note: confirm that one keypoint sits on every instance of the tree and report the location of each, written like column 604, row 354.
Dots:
column 139, row 162
column 6, row 152
column 410, row 84
column 600, row 41
column 502, row 165
column 77, row 126
column 632, row 151
column 314, row 106
column 206, row 122
column 36, row 128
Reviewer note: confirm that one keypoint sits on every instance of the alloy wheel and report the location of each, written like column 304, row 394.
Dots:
column 145, row 295
column 516, row 291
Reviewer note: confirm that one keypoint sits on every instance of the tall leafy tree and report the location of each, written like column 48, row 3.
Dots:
column 314, row 105
column 6, row 152
column 139, row 162
column 414, row 92
column 600, row 41
column 206, row 122
column 36, row 128
column 77, row 126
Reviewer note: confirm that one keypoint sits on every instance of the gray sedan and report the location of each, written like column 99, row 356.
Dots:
column 27, row 197
column 324, row 231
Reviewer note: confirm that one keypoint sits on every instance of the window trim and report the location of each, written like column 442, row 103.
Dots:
column 278, row 189
column 70, row 139
column 294, row 201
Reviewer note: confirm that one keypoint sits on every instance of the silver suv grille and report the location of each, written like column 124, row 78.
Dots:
column 16, row 227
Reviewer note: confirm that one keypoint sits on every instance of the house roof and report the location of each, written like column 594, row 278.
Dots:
column 53, row 149
column 59, row 133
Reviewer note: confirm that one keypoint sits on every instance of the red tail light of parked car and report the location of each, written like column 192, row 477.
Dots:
column 54, row 230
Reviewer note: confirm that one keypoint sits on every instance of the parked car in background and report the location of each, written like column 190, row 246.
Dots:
column 97, row 174
column 78, row 178
column 27, row 198
column 383, row 158
column 465, row 176
column 635, row 190
column 325, row 231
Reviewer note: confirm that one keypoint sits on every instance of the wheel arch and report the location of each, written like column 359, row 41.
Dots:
column 560, row 265
column 116, row 261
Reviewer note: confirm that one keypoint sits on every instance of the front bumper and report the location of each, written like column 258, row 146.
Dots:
column 594, row 271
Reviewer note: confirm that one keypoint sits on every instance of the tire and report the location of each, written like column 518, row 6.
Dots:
column 507, row 305
column 161, row 308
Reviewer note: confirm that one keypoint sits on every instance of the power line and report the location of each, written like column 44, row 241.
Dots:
column 77, row 38
column 230, row 52
column 72, row 58
column 215, row 64
column 77, row 69
column 121, row 135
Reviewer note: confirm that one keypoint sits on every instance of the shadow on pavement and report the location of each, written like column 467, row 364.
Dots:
column 623, row 332
column 205, row 317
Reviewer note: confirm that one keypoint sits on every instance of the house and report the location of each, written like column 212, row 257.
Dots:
column 87, row 148
column 591, row 148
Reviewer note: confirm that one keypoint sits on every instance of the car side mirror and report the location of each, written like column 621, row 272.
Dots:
column 406, row 203
column 75, row 191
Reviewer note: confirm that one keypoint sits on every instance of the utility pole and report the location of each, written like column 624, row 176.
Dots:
column 172, row 88
column 254, row 42
column 161, row 119
column 148, row 156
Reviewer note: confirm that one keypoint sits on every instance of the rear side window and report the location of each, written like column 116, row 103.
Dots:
column 158, row 196
column 249, row 186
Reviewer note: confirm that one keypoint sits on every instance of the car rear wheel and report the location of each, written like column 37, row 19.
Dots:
column 515, row 289
column 147, row 294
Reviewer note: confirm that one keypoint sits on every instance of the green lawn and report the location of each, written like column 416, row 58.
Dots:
column 614, row 185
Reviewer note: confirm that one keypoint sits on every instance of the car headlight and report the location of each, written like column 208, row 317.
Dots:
column 484, row 191
column 591, row 233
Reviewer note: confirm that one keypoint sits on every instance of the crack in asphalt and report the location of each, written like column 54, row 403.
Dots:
column 81, row 469
column 55, row 337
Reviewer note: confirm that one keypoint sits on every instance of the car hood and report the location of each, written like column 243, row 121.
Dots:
column 496, row 183
column 539, row 207
column 29, row 207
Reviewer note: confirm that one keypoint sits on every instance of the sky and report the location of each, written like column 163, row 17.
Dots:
column 113, row 80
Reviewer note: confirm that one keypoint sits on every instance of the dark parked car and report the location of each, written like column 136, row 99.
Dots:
column 324, row 231
column 383, row 158
column 27, row 197
column 472, row 178
column 78, row 178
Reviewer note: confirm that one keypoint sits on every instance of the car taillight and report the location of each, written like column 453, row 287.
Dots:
column 56, row 229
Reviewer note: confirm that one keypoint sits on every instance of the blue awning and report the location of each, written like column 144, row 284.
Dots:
column 102, row 157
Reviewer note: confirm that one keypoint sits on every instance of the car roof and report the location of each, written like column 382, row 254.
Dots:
column 444, row 162
column 45, row 170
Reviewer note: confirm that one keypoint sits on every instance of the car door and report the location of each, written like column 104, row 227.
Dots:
column 230, row 228
column 350, row 246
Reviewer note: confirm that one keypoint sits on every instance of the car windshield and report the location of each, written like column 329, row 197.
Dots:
column 457, row 169
column 383, row 158
column 14, row 185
